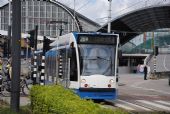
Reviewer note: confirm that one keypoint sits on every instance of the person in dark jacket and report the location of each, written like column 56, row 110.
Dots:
column 145, row 72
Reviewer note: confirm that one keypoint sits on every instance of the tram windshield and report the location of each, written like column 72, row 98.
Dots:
column 97, row 59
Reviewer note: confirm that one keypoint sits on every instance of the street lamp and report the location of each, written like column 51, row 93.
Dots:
column 109, row 16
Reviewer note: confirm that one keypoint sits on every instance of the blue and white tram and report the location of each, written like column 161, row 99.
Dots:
column 85, row 62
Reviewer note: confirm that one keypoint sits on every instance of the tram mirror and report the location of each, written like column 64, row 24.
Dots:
column 119, row 53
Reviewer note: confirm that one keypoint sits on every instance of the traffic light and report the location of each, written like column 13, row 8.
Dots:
column 156, row 50
column 46, row 44
column 31, row 38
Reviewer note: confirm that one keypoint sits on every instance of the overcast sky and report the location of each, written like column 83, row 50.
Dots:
column 97, row 10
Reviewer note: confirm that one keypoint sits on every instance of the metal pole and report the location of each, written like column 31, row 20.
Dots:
column 154, row 59
column 35, row 70
column 9, row 14
column 16, row 51
column 9, row 28
column 27, row 48
column 42, row 76
column 109, row 16
column 74, row 16
column 35, row 37
column 9, row 40
column 44, row 47
column 26, row 23
column 61, row 30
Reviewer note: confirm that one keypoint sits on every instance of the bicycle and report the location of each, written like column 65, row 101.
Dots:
column 5, row 81
column 26, row 84
column 5, row 87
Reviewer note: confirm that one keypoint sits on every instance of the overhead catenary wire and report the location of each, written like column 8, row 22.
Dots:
column 132, row 5
column 89, row 1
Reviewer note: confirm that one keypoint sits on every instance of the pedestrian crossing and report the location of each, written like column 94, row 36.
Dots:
column 143, row 105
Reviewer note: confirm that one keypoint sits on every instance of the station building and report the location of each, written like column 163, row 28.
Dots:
column 52, row 17
column 150, row 25
column 48, row 16
column 140, row 51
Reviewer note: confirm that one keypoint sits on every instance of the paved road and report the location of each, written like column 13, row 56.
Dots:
column 23, row 100
column 137, row 94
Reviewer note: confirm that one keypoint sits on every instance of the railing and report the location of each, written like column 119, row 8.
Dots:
column 148, row 59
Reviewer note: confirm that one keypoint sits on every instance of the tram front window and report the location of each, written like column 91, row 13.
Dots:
column 97, row 59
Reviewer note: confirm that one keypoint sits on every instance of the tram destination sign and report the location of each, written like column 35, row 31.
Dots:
column 97, row 39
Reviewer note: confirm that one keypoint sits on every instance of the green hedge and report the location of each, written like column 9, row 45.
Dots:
column 57, row 100
column 7, row 110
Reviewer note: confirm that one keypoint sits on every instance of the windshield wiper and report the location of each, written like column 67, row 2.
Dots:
column 88, row 58
column 103, row 58
column 95, row 58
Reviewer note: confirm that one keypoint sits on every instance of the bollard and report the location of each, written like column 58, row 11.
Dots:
column 34, row 77
column 154, row 76
column 42, row 76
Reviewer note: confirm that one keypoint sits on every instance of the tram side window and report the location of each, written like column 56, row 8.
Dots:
column 64, row 55
column 61, row 63
column 46, row 64
column 53, row 66
column 50, row 66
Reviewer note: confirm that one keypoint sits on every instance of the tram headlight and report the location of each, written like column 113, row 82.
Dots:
column 109, row 85
column 111, row 81
column 83, row 81
column 86, row 85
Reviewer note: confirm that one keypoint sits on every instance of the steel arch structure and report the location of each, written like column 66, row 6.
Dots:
column 142, row 20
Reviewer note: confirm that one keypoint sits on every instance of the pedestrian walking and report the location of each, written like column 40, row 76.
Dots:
column 145, row 72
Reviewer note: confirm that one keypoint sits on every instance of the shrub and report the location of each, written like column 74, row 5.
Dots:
column 7, row 110
column 58, row 100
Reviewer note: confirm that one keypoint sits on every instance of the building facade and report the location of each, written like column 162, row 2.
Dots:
column 51, row 17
